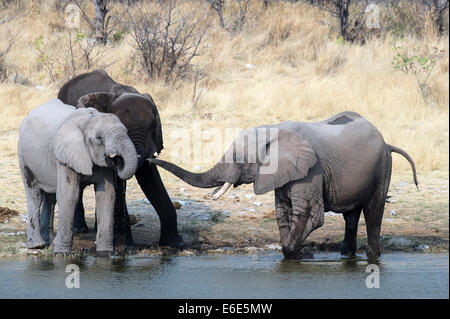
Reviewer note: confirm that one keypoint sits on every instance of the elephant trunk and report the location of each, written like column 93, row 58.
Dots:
column 208, row 179
column 123, row 153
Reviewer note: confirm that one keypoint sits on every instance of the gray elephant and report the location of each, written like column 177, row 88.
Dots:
column 61, row 150
column 341, row 164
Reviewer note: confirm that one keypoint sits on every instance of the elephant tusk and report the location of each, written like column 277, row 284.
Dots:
column 211, row 193
column 112, row 155
column 222, row 191
column 155, row 154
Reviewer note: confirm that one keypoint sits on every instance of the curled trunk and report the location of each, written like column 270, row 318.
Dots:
column 122, row 148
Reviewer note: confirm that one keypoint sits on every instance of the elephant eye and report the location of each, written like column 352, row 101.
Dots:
column 99, row 138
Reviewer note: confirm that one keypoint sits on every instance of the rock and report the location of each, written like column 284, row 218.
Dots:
column 251, row 210
column 250, row 66
column 273, row 246
column 196, row 168
column 399, row 242
column 226, row 214
column 249, row 196
column 423, row 247
column 257, row 204
column 133, row 220
column 393, row 212
column 176, row 205
column 145, row 200
column 182, row 189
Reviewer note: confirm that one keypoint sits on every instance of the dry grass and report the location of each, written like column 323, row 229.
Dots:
column 301, row 73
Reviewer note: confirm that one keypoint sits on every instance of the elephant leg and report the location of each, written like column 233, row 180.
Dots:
column 79, row 223
column 122, row 227
column 283, row 211
column 67, row 193
column 307, row 212
column 104, row 207
column 374, row 208
column 351, row 229
column 46, row 218
column 151, row 184
column 34, row 199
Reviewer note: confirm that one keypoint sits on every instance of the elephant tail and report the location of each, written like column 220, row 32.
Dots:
column 410, row 160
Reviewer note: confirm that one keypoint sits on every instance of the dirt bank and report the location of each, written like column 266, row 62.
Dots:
column 243, row 222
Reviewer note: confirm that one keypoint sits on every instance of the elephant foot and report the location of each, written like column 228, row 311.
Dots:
column 373, row 252
column 174, row 242
column 292, row 253
column 36, row 244
column 347, row 251
column 104, row 253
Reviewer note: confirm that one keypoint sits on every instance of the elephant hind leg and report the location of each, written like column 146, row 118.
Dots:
column 374, row 208
column 34, row 199
column 351, row 229
column 46, row 218
column 79, row 220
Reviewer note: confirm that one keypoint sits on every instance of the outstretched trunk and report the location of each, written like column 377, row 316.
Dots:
column 211, row 178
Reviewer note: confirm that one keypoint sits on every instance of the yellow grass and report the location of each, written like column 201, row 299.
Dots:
column 301, row 73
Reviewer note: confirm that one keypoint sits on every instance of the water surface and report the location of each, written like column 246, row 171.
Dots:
column 262, row 275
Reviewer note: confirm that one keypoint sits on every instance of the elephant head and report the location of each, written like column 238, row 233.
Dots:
column 92, row 138
column 268, row 157
column 137, row 112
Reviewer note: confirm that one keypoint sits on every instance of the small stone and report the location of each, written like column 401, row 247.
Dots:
column 133, row 220
column 176, row 205
column 257, row 204
column 251, row 210
column 226, row 214
column 139, row 225
column 250, row 66
column 196, row 168
column 273, row 246
column 182, row 189
column 145, row 200
column 249, row 196
column 393, row 212
column 423, row 247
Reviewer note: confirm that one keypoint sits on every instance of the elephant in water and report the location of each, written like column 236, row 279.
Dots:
column 341, row 164
column 61, row 150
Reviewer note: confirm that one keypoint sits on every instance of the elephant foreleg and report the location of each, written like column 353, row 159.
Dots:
column 122, row 227
column 283, row 211
column 151, row 184
column 351, row 229
column 104, row 207
column 67, row 192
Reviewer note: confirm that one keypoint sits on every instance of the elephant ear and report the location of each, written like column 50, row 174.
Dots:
column 286, row 157
column 102, row 101
column 70, row 147
column 157, row 133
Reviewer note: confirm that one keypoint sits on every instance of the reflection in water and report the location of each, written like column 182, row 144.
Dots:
column 262, row 275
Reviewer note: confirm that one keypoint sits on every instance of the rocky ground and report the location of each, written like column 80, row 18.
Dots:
column 240, row 221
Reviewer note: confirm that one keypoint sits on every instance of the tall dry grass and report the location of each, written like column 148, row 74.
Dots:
column 300, row 71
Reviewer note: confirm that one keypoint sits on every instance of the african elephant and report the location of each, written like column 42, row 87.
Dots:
column 139, row 114
column 340, row 164
column 61, row 150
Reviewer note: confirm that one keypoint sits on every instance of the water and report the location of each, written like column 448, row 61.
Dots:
column 262, row 275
